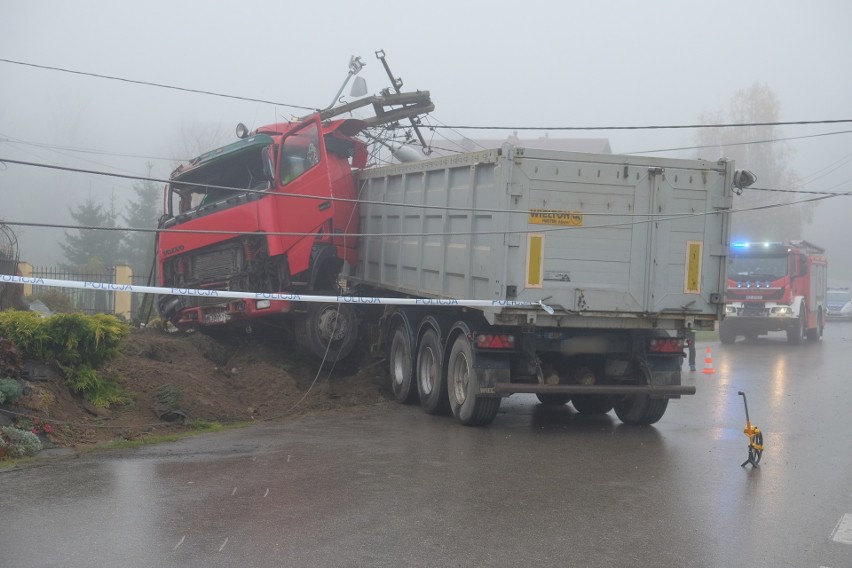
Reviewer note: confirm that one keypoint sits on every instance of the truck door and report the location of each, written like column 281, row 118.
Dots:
column 302, row 171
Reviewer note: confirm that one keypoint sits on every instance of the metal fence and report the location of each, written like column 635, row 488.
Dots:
column 84, row 300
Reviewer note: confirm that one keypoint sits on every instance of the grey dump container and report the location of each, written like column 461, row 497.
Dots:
column 604, row 240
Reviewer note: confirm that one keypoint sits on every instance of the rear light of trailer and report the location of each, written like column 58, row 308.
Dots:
column 666, row 345
column 494, row 341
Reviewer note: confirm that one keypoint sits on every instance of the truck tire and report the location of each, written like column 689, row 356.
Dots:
column 641, row 410
column 727, row 335
column 797, row 333
column 815, row 333
column 329, row 332
column 467, row 406
column 551, row 399
column 592, row 403
column 402, row 364
column 431, row 383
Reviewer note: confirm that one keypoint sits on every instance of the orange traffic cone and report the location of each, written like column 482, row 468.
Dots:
column 708, row 363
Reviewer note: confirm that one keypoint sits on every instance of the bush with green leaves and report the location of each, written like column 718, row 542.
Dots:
column 19, row 443
column 11, row 360
column 10, row 390
column 76, row 343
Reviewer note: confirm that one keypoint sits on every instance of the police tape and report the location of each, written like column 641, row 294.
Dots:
column 290, row 297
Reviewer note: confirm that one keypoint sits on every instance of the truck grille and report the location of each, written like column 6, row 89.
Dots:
column 218, row 265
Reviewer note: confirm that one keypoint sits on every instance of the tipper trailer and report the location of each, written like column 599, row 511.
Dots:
column 510, row 270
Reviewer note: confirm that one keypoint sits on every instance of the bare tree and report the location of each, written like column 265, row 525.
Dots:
column 770, row 161
column 195, row 138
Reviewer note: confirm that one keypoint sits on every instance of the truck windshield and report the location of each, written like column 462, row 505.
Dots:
column 220, row 175
column 757, row 267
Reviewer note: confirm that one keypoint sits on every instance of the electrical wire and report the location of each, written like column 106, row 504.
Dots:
column 150, row 84
column 12, row 140
column 748, row 143
column 649, row 126
column 440, row 126
column 651, row 219
column 293, row 195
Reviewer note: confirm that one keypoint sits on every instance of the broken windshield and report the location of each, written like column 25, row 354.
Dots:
column 220, row 175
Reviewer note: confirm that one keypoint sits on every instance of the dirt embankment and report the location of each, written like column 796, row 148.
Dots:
column 177, row 383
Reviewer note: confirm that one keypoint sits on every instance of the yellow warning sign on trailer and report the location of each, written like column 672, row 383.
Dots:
column 556, row 217
column 692, row 281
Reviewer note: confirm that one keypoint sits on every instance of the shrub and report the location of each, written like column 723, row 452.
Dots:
column 11, row 360
column 99, row 391
column 76, row 343
column 10, row 390
column 19, row 443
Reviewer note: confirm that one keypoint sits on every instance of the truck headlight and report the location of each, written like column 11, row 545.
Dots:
column 782, row 310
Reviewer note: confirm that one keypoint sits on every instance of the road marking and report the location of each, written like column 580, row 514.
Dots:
column 223, row 544
column 183, row 538
column 234, row 492
column 267, row 492
column 843, row 531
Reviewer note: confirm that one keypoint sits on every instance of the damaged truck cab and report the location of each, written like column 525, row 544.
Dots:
column 256, row 216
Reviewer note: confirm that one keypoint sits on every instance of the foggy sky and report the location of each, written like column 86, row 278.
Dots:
column 495, row 63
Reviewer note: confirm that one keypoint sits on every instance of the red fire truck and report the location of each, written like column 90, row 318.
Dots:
column 775, row 287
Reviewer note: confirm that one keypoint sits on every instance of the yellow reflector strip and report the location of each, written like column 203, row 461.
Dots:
column 692, row 282
column 535, row 260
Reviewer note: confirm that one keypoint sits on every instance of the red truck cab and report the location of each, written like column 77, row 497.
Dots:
column 269, row 213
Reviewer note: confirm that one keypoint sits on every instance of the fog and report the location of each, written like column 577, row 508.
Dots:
column 495, row 63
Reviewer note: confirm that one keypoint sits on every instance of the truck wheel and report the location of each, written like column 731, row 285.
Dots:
column 402, row 365
column 468, row 407
column 795, row 334
column 727, row 335
column 592, row 403
column 551, row 399
column 816, row 333
column 641, row 410
column 328, row 331
column 431, row 383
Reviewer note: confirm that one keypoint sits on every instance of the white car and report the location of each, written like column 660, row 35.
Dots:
column 839, row 304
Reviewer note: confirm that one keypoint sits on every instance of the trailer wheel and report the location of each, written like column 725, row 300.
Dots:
column 328, row 331
column 641, row 410
column 551, row 399
column 402, row 365
column 592, row 403
column 797, row 333
column 468, row 407
column 431, row 383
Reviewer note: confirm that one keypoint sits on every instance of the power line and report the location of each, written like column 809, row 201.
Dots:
column 12, row 140
column 439, row 126
column 322, row 198
column 646, row 127
column 150, row 84
column 747, row 143
column 625, row 224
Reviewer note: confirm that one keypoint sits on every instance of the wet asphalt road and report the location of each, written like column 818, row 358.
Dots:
column 392, row 486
